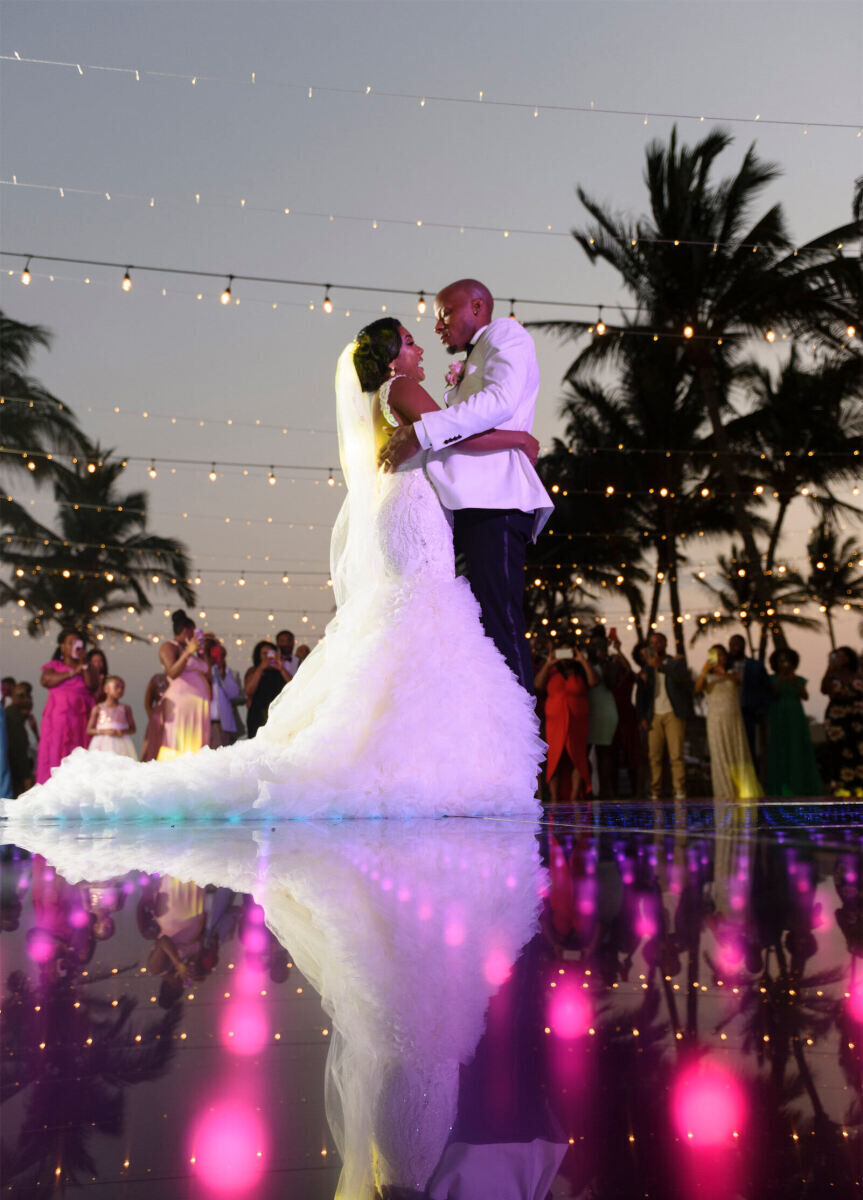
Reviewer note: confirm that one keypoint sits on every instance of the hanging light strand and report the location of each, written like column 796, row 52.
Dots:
column 530, row 107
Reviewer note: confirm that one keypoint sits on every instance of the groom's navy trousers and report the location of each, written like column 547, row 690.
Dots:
column 491, row 544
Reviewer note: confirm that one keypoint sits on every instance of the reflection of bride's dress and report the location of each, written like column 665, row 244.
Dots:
column 405, row 930
column 404, row 709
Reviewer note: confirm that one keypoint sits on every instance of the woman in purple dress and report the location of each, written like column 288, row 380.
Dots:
column 71, row 694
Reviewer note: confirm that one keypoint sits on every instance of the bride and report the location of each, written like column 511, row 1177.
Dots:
column 405, row 708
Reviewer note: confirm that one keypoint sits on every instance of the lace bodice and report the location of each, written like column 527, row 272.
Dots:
column 413, row 527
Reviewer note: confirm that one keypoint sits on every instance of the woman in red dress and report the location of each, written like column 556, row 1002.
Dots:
column 564, row 682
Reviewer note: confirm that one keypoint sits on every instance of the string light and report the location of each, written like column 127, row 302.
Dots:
column 770, row 336
column 328, row 304
column 331, row 482
column 151, row 470
column 421, row 304
column 600, row 324
column 688, row 332
column 851, row 331
column 271, row 478
column 226, row 294
column 213, row 476
column 127, row 281
column 26, row 276
column 415, row 97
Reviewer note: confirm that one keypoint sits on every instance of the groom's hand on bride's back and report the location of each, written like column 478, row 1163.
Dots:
column 399, row 446
column 531, row 448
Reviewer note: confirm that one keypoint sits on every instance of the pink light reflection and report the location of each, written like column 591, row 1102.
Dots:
column 708, row 1104
column 569, row 1011
column 228, row 1148
column 855, row 1001
column 496, row 967
column 244, row 1028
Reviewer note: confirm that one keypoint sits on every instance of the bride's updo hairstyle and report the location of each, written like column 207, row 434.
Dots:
column 377, row 345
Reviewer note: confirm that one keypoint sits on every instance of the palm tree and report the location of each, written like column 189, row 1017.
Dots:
column 834, row 579
column 805, row 431
column 99, row 561
column 33, row 420
column 654, row 500
column 707, row 275
column 736, row 602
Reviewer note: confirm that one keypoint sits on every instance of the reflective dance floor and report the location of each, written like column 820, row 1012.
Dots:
column 617, row 1001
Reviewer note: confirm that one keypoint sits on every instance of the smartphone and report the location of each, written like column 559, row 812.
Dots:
column 271, row 654
column 563, row 652
column 713, row 657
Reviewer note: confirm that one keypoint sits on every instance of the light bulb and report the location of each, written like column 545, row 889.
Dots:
column 241, row 582
column 770, row 336
column 91, row 468
column 151, row 470
column 328, row 304
column 851, row 331
column 213, row 476
column 421, row 304
column 512, row 310
column 330, row 480
column 286, row 578
column 126, row 285
column 304, row 619
column 600, row 324
column 688, row 332
column 271, row 478
column 25, row 274
column 226, row 294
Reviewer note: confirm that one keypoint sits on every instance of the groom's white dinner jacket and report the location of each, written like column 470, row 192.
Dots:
column 497, row 390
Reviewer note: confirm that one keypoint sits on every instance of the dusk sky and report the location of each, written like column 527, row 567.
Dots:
column 359, row 158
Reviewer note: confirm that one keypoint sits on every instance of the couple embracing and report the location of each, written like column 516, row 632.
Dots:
column 406, row 707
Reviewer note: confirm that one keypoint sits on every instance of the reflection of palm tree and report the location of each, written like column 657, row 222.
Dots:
column 76, row 1084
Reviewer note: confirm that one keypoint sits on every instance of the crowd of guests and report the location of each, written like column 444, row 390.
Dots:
column 623, row 725
column 194, row 700
column 614, row 725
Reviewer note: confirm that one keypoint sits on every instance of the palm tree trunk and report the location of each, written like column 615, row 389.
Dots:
column 710, row 391
column 770, row 556
column 673, row 589
column 830, row 629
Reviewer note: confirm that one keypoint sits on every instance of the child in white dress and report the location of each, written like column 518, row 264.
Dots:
column 111, row 723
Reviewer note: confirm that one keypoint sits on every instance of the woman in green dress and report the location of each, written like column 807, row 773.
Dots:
column 791, row 766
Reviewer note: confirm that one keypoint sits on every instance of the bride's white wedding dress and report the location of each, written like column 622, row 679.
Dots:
column 405, row 708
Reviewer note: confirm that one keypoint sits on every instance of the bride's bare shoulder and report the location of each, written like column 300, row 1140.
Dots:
column 409, row 400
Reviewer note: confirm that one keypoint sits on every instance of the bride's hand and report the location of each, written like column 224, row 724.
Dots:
column 530, row 447
column 401, row 445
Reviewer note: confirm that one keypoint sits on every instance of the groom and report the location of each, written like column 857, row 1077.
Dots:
column 496, row 497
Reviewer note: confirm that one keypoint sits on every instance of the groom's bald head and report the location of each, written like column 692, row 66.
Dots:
column 461, row 309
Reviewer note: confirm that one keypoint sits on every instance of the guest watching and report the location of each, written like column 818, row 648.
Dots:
column 71, row 689
column 285, row 645
column 603, row 713
column 843, row 683
column 22, row 735
column 98, row 664
column 731, row 771
column 626, row 747
column 226, row 695
column 7, row 683
column 186, row 703
column 264, row 680
column 111, row 723
column 301, row 653
column 153, row 696
column 564, row 682
column 756, row 692
column 665, row 704
column 792, row 769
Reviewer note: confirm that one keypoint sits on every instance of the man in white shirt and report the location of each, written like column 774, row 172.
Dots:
column 497, row 499
column 285, row 643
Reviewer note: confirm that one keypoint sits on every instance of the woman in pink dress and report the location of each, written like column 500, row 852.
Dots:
column 71, row 686
column 186, row 703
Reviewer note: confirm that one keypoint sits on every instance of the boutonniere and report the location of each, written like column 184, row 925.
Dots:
column 454, row 374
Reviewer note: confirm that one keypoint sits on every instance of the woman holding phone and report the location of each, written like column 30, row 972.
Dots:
column 264, row 680
column 71, row 694
column 186, row 703
column 731, row 771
